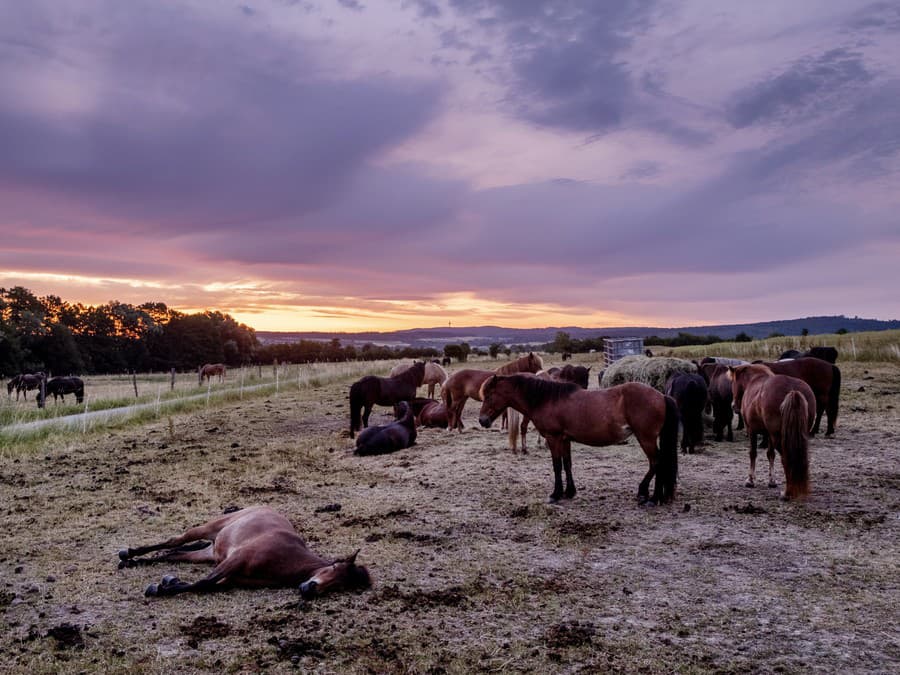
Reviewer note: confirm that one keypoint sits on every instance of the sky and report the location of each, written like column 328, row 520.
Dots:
column 349, row 165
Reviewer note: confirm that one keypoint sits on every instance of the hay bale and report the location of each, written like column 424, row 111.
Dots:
column 653, row 370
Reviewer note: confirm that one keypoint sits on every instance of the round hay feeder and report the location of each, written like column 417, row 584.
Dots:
column 648, row 370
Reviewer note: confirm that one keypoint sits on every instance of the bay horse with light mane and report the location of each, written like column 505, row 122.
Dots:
column 465, row 384
column 372, row 390
column 211, row 370
column 781, row 407
column 255, row 547
column 564, row 412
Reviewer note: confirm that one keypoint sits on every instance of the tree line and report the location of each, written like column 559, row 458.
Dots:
column 58, row 337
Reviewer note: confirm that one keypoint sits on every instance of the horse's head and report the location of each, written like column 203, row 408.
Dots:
column 535, row 363
column 740, row 377
column 343, row 574
column 492, row 405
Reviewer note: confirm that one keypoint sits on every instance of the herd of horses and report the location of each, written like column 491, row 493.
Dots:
column 781, row 403
column 57, row 386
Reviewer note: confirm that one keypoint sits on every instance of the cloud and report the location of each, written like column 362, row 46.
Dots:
column 809, row 88
column 185, row 133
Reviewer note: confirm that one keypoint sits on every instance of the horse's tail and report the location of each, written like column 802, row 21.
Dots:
column 513, row 422
column 356, row 405
column 667, row 458
column 834, row 394
column 794, row 443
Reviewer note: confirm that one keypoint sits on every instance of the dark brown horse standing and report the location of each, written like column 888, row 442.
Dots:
column 780, row 407
column 823, row 378
column 372, row 390
column 255, row 547
column 563, row 412
column 59, row 387
column 465, row 384
column 691, row 394
column 211, row 370
column 720, row 397
column 24, row 382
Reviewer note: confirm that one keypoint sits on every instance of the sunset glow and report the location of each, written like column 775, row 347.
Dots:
column 359, row 166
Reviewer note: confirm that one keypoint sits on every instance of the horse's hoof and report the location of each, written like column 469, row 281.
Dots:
column 152, row 591
column 772, row 483
column 785, row 497
column 554, row 499
column 168, row 580
column 749, row 483
column 123, row 554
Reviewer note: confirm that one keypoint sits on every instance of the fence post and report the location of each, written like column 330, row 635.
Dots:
column 172, row 384
column 134, row 382
column 42, row 394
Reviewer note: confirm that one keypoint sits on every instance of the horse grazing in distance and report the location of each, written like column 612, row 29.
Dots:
column 690, row 393
column 576, row 374
column 446, row 361
column 23, row 383
column 59, row 387
column 210, row 370
column 780, row 407
column 720, row 397
column 823, row 378
column 564, row 412
column 255, row 547
column 465, row 384
column 397, row 435
column 372, row 390
column 434, row 374
column 429, row 413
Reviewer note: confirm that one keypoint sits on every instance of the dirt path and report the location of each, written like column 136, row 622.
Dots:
column 474, row 571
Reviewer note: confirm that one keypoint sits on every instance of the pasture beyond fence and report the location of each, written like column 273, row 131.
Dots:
column 112, row 400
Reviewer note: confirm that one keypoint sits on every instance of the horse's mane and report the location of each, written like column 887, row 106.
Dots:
column 537, row 391
column 415, row 374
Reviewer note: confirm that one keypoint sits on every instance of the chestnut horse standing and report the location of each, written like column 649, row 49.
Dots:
column 465, row 384
column 372, row 390
column 210, row 370
column 255, row 547
column 564, row 412
column 781, row 407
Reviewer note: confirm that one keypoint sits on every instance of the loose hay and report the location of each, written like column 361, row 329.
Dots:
column 649, row 370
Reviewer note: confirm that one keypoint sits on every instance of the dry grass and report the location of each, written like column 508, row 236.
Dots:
column 473, row 570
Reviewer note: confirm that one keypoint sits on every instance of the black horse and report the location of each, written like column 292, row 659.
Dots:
column 690, row 393
column 372, row 390
column 60, row 386
column 829, row 354
column 720, row 397
column 397, row 435
column 446, row 361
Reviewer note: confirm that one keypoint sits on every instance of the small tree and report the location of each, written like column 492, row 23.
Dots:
column 841, row 331
column 804, row 332
column 494, row 349
column 742, row 337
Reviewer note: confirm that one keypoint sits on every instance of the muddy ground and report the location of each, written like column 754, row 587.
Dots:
column 473, row 570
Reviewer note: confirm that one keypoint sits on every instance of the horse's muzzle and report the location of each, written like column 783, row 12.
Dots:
column 485, row 421
column 308, row 590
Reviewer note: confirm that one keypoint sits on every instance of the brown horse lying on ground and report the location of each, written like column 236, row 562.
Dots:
column 780, row 407
column 255, row 547
column 465, row 384
column 563, row 412
column 211, row 370
column 429, row 413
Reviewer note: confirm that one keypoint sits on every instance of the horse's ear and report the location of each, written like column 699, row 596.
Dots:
column 589, row 368
column 730, row 373
column 351, row 559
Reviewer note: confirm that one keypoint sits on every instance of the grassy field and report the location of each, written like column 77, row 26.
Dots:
column 473, row 571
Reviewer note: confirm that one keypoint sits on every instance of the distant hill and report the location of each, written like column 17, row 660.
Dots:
column 482, row 336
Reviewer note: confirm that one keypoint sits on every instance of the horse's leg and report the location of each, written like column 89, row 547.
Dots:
column 196, row 552
column 751, row 480
column 774, row 445
column 649, row 448
column 556, row 455
column 819, row 410
column 217, row 579
column 206, row 531
column 504, row 420
column 367, row 410
column 566, row 447
column 740, row 424
column 523, row 429
column 730, row 418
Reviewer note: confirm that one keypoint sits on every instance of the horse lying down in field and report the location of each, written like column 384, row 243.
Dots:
column 255, row 547
column 397, row 435
column 430, row 413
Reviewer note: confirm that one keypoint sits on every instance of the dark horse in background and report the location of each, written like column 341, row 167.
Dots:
column 564, row 412
column 579, row 375
column 60, row 386
column 255, row 547
column 829, row 354
column 720, row 397
column 397, row 435
column 825, row 381
column 22, row 383
column 691, row 394
column 373, row 390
